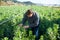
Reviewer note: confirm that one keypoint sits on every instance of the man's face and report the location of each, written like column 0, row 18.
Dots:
column 30, row 15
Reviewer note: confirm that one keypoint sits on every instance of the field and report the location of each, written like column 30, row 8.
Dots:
column 11, row 16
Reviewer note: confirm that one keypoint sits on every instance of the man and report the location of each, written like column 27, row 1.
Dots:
column 33, row 21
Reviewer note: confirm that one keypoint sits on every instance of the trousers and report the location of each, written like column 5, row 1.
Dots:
column 35, row 31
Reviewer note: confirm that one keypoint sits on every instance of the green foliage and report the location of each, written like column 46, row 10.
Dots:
column 49, row 23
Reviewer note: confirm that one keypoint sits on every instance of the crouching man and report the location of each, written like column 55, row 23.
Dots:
column 33, row 21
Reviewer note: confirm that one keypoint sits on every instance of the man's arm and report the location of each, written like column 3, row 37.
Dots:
column 36, row 21
column 24, row 19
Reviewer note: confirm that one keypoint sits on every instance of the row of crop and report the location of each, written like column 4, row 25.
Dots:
column 48, row 23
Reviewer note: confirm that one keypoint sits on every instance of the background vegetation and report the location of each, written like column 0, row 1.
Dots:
column 11, row 16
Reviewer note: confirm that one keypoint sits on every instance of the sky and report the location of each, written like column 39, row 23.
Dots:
column 43, row 1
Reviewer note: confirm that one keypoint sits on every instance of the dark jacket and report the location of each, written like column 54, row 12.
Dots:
column 32, row 21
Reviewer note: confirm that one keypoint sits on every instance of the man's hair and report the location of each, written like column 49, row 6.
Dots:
column 29, row 12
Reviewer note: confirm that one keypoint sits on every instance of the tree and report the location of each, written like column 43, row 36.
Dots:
column 10, row 0
column 14, row 0
column 0, row 2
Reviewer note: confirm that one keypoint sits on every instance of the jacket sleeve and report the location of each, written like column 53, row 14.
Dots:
column 36, row 21
column 24, row 19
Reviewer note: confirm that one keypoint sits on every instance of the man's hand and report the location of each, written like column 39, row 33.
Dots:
column 20, row 24
column 26, row 26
